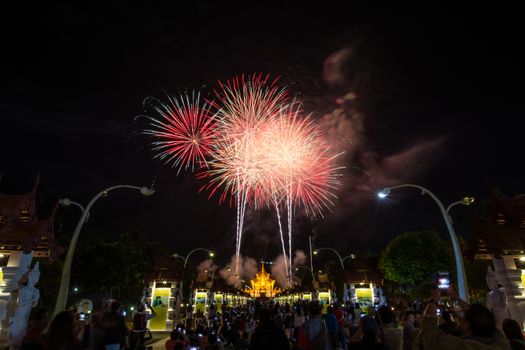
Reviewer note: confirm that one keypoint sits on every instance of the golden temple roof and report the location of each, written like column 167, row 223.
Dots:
column 262, row 285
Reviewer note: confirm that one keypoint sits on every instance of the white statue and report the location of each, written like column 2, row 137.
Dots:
column 28, row 297
column 382, row 298
column 496, row 299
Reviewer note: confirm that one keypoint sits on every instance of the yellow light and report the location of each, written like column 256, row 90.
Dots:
column 468, row 200
column 212, row 254
column 315, row 252
column 164, row 282
column 2, row 255
column 522, row 258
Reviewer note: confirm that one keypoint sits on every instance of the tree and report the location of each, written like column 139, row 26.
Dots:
column 336, row 275
column 410, row 259
column 121, row 263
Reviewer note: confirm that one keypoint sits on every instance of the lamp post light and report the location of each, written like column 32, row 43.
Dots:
column 63, row 290
column 460, row 267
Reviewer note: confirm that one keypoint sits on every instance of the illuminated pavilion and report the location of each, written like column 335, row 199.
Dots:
column 262, row 285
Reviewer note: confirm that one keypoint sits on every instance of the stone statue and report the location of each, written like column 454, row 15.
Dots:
column 382, row 298
column 28, row 297
column 496, row 299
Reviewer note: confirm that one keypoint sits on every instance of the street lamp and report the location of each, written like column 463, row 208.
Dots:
column 460, row 267
column 185, row 259
column 341, row 259
column 66, row 270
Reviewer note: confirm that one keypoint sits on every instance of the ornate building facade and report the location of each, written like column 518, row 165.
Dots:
column 262, row 286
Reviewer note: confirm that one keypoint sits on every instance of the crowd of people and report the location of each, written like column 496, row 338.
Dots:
column 446, row 322
column 74, row 330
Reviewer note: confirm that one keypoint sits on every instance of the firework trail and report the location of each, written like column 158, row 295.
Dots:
column 281, row 234
column 245, row 107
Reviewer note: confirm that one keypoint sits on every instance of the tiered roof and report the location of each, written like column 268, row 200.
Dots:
column 502, row 229
column 20, row 227
column 262, row 285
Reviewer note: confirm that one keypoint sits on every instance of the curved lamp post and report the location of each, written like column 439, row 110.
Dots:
column 63, row 290
column 341, row 259
column 460, row 267
column 185, row 259
column 210, row 253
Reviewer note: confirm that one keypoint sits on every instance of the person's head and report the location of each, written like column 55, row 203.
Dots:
column 41, row 318
column 512, row 329
column 478, row 321
column 96, row 322
column 409, row 317
column 73, row 309
column 141, row 307
column 446, row 316
column 114, row 306
column 60, row 330
column 314, row 309
column 212, row 339
column 174, row 335
column 418, row 317
column 265, row 316
column 369, row 327
column 386, row 315
column 299, row 310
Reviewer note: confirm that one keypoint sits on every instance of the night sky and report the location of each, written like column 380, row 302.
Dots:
column 438, row 102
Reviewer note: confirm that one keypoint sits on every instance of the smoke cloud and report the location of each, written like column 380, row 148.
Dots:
column 279, row 272
column 348, row 130
column 206, row 265
column 247, row 270
column 299, row 258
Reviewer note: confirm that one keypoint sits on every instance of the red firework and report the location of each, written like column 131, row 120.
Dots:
column 244, row 107
column 184, row 131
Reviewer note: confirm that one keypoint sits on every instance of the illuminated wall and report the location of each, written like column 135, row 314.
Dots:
column 160, row 303
column 218, row 297
column 200, row 301
column 325, row 300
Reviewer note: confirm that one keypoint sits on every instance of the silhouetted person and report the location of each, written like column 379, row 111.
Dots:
column 268, row 335
column 512, row 331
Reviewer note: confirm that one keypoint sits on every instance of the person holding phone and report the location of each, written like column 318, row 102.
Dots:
column 478, row 326
column 389, row 334
column 140, row 322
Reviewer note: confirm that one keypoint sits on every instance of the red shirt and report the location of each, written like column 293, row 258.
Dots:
column 340, row 316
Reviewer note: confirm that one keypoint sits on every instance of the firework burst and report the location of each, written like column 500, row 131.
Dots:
column 258, row 148
column 184, row 130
